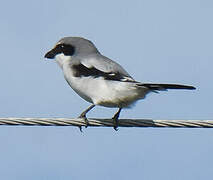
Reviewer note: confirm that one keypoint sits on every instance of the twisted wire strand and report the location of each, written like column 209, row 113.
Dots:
column 13, row 121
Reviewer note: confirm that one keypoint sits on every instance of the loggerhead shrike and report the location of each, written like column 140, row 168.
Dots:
column 98, row 79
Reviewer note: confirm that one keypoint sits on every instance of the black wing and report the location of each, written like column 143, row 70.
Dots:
column 82, row 71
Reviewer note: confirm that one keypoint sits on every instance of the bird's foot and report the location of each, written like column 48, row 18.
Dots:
column 80, row 128
column 115, row 122
column 83, row 116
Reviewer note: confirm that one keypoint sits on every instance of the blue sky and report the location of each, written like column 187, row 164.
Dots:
column 156, row 41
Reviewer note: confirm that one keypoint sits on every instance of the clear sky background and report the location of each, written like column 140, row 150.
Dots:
column 156, row 41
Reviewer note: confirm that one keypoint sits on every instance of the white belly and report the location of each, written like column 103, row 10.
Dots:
column 106, row 93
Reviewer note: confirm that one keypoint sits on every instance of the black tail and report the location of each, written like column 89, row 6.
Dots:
column 161, row 87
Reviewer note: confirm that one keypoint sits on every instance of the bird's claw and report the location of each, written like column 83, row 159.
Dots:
column 115, row 123
column 80, row 128
column 83, row 116
column 115, row 128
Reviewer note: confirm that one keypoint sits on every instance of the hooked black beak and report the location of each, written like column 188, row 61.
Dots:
column 50, row 54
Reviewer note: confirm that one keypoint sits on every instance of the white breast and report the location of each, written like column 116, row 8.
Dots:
column 100, row 91
column 105, row 92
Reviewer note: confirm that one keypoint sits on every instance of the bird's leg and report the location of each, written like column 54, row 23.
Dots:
column 115, row 119
column 83, row 115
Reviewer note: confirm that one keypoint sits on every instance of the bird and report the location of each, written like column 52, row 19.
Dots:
column 100, row 80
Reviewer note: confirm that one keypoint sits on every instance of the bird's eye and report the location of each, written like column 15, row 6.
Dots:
column 66, row 49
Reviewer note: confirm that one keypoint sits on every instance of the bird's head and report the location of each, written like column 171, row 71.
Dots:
column 71, row 46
